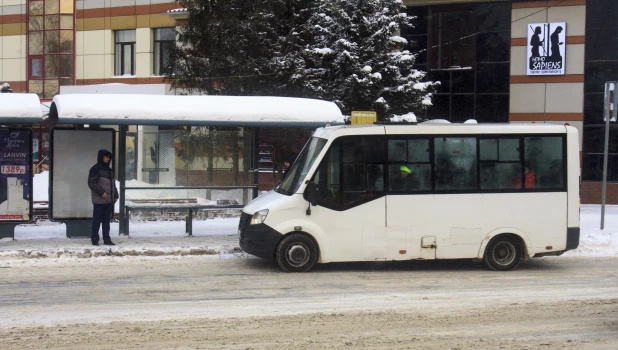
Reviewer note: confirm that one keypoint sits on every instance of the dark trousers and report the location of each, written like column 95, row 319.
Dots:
column 101, row 214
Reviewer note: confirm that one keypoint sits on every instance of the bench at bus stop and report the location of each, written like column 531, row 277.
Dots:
column 191, row 208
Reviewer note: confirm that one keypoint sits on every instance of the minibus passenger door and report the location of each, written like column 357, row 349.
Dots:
column 428, row 247
column 348, row 189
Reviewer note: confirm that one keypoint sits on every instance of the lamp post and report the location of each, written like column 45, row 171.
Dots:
column 609, row 115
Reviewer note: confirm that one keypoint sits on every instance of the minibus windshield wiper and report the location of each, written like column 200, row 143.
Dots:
column 282, row 191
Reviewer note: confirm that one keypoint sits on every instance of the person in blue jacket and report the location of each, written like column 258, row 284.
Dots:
column 104, row 195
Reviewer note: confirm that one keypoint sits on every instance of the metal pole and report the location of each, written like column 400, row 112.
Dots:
column 255, row 161
column 122, row 166
column 607, row 116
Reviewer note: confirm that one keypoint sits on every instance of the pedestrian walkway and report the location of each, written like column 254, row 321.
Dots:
column 213, row 237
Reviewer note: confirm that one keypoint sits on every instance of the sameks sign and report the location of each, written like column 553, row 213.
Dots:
column 546, row 48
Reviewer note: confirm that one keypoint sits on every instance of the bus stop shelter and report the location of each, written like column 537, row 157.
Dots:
column 90, row 111
column 17, row 111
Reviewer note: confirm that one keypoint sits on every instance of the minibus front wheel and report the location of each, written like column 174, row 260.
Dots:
column 503, row 253
column 296, row 253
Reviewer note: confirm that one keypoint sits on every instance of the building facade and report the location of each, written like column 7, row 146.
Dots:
column 45, row 44
column 479, row 50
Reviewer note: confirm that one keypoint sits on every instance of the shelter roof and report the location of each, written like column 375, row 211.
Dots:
column 110, row 109
column 20, row 108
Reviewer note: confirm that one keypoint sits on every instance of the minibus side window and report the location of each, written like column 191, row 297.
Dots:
column 351, row 173
column 544, row 155
column 409, row 165
column 455, row 163
column 500, row 163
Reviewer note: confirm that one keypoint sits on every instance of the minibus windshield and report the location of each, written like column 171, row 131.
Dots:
column 301, row 166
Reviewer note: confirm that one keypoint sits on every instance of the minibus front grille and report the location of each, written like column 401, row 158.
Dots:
column 242, row 225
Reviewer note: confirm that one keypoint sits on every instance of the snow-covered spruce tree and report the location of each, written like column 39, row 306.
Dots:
column 358, row 59
column 238, row 47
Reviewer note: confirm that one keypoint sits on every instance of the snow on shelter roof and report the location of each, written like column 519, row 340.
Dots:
column 193, row 110
column 20, row 108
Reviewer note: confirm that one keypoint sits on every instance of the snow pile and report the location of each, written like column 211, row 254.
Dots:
column 410, row 118
column 195, row 110
column 20, row 108
column 593, row 241
column 218, row 246
column 437, row 121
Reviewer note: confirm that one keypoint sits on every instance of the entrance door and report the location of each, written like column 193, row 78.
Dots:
column 351, row 204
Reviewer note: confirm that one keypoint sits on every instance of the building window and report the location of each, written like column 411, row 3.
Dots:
column 466, row 47
column 51, row 42
column 164, row 41
column 125, row 53
column 601, row 65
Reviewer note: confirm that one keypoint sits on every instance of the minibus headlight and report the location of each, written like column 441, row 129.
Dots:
column 259, row 217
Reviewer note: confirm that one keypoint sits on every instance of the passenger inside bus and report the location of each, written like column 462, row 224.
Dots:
column 553, row 179
column 405, row 181
column 530, row 178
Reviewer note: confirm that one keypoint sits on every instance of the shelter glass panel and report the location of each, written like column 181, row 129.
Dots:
column 189, row 157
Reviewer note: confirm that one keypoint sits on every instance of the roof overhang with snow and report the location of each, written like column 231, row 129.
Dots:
column 20, row 108
column 248, row 111
column 180, row 13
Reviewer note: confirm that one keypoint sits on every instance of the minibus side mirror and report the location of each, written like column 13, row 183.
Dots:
column 311, row 193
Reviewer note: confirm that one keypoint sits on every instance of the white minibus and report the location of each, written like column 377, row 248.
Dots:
column 496, row 193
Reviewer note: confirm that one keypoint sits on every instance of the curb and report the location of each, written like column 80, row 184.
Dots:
column 223, row 252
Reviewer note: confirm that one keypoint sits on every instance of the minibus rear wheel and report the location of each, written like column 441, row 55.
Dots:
column 503, row 253
column 296, row 253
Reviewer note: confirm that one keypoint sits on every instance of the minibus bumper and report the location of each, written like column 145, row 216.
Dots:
column 259, row 240
column 572, row 238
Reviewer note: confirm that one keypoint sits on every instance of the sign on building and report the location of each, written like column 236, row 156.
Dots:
column 15, row 174
column 546, row 48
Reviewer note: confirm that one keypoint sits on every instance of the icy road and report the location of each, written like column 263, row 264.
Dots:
column 201, row 302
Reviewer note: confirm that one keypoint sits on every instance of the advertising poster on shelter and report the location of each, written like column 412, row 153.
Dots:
column 546, row 48
column 15, row 174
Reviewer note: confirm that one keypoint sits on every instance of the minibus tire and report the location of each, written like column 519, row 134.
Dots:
column 503, row 253
column 296, row 253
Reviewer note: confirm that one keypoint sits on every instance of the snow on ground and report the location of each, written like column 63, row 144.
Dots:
column 593, row 241
column 218, row 237
column 215, row 237
column 139, row 229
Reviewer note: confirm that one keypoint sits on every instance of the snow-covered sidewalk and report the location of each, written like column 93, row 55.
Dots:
column 218, row 237
column 210, row 237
